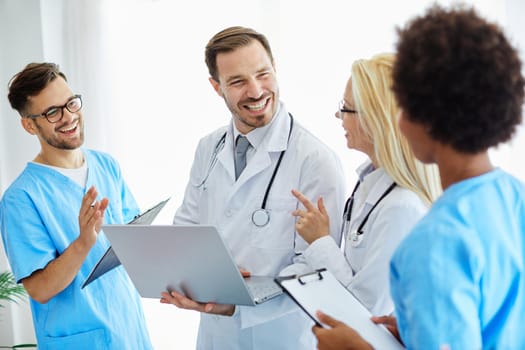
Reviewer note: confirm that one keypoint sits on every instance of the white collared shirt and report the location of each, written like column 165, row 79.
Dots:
column 256, row 136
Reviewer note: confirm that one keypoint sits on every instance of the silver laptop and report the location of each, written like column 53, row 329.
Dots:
column 189, row 259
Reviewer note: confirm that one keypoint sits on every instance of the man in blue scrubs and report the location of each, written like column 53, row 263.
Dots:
column 50, row 219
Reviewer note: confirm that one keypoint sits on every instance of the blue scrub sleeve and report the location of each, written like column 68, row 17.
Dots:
column 129, row 205
column 28, row 245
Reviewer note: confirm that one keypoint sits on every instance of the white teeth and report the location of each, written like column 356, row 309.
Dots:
column 70, row 129
column 256, row 107
column 67, row 130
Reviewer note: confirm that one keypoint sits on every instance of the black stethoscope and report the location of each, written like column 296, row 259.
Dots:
column 261, row 216
column 213, row 160
column 348, row 212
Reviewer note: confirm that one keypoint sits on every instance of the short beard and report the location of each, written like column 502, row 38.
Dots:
column 61, row 144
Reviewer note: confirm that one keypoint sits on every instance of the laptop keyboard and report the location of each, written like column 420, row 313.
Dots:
column 263, row 288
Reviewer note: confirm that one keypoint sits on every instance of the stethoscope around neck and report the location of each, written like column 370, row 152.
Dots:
column 261, row 216
column 355, row 235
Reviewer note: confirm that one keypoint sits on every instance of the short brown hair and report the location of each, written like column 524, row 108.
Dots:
column 228, row 40
column 30, row 82
column 457, row 74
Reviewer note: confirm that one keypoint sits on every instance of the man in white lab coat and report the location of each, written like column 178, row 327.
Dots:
column 220, row 192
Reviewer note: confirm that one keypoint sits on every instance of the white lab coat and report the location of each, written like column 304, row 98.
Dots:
column 309, row 166
column 364, row 266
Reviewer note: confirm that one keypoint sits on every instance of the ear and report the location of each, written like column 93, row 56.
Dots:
column 28, row 125
column 216, row 86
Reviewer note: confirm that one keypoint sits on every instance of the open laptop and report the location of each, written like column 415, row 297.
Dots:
column 190, row 259
column 109, row 260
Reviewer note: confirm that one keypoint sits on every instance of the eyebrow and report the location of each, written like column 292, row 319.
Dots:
column 235, row 77
column 260, row 70
column 72, row 97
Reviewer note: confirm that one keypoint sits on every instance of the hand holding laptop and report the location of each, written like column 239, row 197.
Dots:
column 184, row 302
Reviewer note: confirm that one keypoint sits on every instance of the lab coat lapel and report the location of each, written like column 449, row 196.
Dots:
column 260, row 161
column 225, row 158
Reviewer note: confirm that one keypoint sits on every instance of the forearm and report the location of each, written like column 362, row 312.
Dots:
column 44, row 284
column 325, row 253
column 298, row 267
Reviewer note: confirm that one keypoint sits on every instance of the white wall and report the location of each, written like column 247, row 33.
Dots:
column 140, row 68
column 172, row 104
column 15, row 145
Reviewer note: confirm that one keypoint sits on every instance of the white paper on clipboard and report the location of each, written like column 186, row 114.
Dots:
column 321, row 291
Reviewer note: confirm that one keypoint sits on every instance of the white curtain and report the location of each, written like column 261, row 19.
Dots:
column 20, row 40
column 65, row 32
column 139, row 65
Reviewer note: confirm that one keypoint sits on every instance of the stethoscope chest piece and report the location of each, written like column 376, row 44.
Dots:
column 260, row 217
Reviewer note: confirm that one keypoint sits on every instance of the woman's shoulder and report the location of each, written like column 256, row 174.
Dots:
column 404, row 197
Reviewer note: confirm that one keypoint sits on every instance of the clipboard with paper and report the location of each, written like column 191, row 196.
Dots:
column 320, row 290
column 110, row 260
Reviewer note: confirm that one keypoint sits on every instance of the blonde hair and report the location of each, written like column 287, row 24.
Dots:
column 378, row 112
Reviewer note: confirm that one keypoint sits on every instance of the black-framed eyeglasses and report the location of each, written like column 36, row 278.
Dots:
column 343, row 109
column 54, row 114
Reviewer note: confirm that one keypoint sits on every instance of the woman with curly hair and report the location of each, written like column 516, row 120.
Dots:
column 458, row 279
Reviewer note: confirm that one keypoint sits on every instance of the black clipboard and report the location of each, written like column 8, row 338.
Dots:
column 109, row 260
column 147, row 217
column 320, row 290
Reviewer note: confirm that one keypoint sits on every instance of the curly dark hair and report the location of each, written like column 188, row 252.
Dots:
column 458, row 75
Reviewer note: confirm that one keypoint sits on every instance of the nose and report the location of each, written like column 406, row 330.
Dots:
column 67, row 115
column 255, row 90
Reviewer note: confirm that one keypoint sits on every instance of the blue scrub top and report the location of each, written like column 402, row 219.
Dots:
column 458, row 279
column 38, row 221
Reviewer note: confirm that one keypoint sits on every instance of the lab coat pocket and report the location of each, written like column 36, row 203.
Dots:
column 279, row 232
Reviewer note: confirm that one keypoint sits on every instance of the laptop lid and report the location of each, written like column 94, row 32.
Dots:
column 190, row 259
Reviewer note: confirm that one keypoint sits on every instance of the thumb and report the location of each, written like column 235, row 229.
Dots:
column 209, row 307
column 384, row 320
column 328, row 320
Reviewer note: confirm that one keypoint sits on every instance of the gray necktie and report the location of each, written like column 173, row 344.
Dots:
column 240, row 154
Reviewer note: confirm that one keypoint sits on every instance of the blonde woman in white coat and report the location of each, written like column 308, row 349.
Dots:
column 393, row 192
